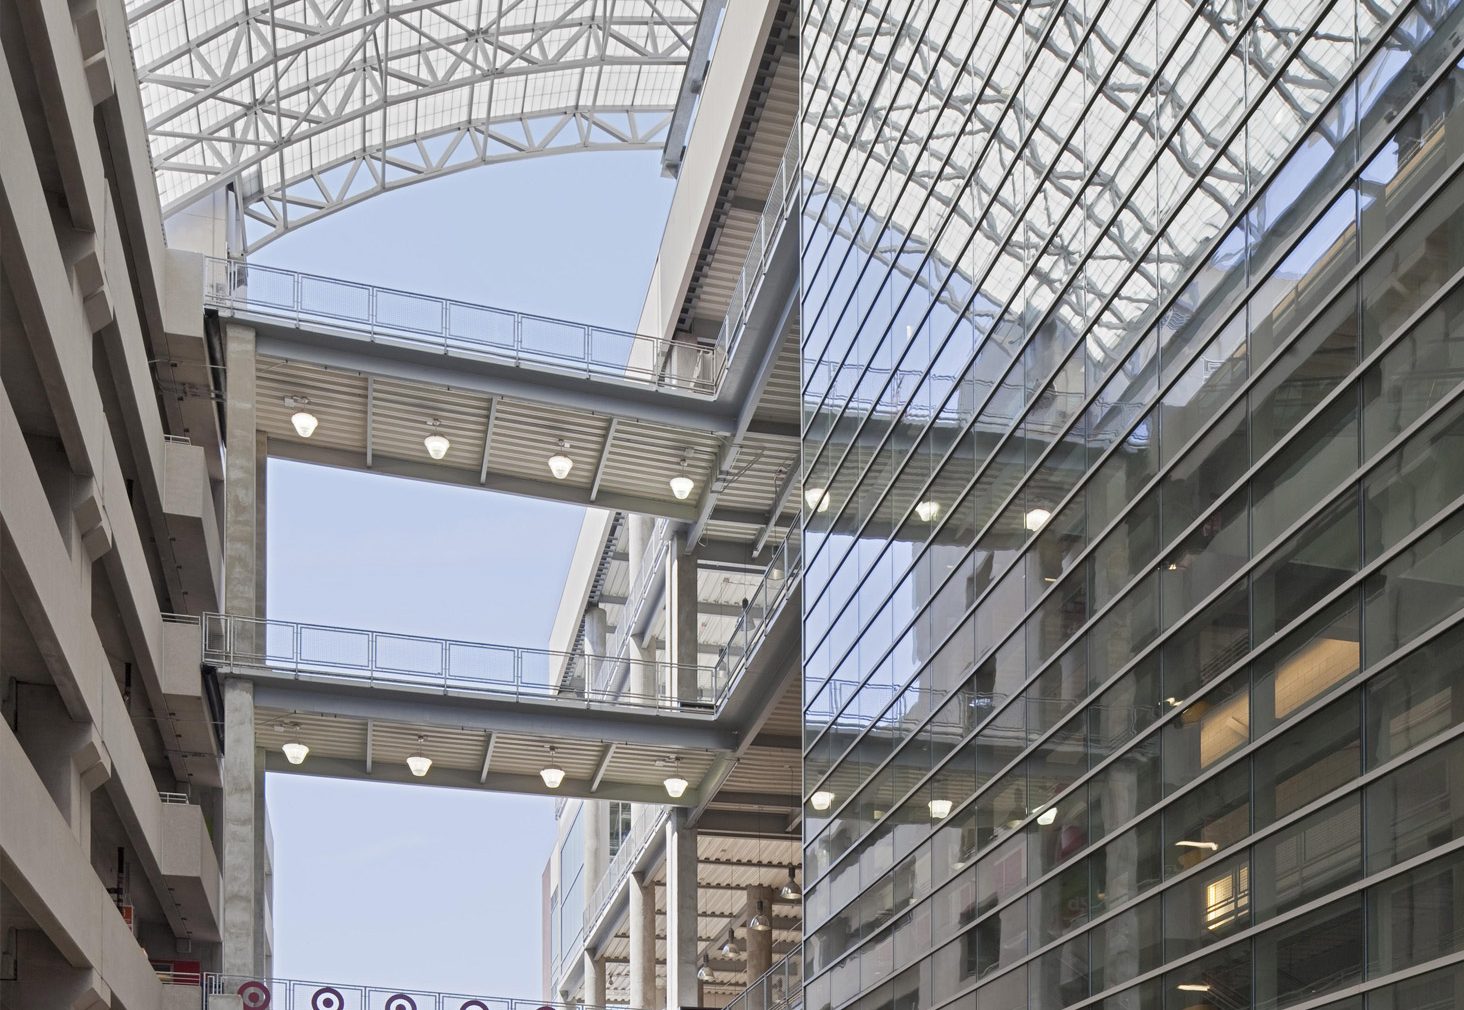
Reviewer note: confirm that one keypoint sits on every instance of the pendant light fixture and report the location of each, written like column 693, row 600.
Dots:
column 817, row 499
column 1035, row 519
column 681, row 484
column 928, row 511
column 760, row 921
column 674, row 783
column 821, row 800
column 304, row 421
column 551, row 773
column 560, row 464
column 419, row 763
column 437, row 444
column 791, row 890
column 730, row 946
column 295, row 752
column 940, row 809
column 704, row 972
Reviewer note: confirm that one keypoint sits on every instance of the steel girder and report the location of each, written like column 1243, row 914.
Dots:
column 308, row 106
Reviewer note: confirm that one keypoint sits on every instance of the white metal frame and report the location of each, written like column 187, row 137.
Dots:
column 309, row 106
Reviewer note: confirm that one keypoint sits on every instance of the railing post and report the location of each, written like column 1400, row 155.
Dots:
column 443, row 663
column 295, row 646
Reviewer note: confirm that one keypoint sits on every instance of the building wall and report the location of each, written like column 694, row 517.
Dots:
column 1132, row 394
column 109, row 867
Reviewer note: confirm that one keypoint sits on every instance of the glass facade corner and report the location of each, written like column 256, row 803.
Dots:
column 1132, row 346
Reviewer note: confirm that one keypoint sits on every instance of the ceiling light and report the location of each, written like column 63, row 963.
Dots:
column 552, row 774
column 674, row 783
column 1207, row 846
column 1193, row 987
column 928, row 511
column 821, row 800
column 1048, row 817
column 303, row 420
column 817, row 498
column 559, row 463
column 295, row 752
column 681, row 484
column 729, row 945
column 1036, row 519
column 419, row 763
column 940, row 809
column 704, row 973
column 437, row 445
column 790, row 886
column 759, row 921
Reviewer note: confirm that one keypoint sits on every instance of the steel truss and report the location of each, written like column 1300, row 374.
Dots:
column 308, row 106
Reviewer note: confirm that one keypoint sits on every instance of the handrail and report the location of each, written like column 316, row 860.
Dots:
column 779, row 987
column 299, row 994
column 463, row 329
column 377, row 657
column 781, row 198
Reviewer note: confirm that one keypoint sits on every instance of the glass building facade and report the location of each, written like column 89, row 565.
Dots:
column 1133, row 381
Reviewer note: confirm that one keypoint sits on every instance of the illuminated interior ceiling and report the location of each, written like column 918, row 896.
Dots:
column 312, row 105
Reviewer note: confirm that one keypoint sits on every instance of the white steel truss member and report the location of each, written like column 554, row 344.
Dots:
column 309, row 106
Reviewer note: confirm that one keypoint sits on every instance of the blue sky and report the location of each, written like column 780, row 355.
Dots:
column 418, row 887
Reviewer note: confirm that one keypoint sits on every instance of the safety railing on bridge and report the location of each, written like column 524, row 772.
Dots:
column 778, row 988
column 774, row 217
column 463, row 329
column 295, row 994
column 317, row 651
column 762, row 609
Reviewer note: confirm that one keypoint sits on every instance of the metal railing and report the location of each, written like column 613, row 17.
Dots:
column 781, row 197
column 176, row 798
column 453, row 667
column 778, row 988
column 296, row 994
column 763, row 606
column 463, row 329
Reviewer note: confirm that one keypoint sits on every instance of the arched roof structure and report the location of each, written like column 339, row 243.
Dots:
column 311, row 105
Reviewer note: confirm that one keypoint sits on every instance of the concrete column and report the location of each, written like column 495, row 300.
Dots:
column 681, row 622
column 642, row 924
column 597, row 624
column 242, row 776
column 759, row 941
column 681, row 913
column 242, row 501
column 597, row 844
column 240, row 889
column 594, row 980
column 637, row 540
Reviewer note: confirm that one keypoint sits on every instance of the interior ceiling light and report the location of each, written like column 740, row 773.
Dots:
column 1048, row 817
column 304, row 421
column 552, row 774
column 759, row 921
column 729, row 945
column 928, row 511
column 821, row 800
column 437, row 444
column 1193, row 987
column 1207, row 846
column 559, row 463
column 419, row 763
column 790, row 886
column 940, row 809
column 674, row 783
column 681, row 484
column 704, row 973
column 817, row 498
column 1035, row 519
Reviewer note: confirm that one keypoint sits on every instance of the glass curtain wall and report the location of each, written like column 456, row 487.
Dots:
column 1133, row 458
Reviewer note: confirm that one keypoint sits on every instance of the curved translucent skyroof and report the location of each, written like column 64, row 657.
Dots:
column 314, row 104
